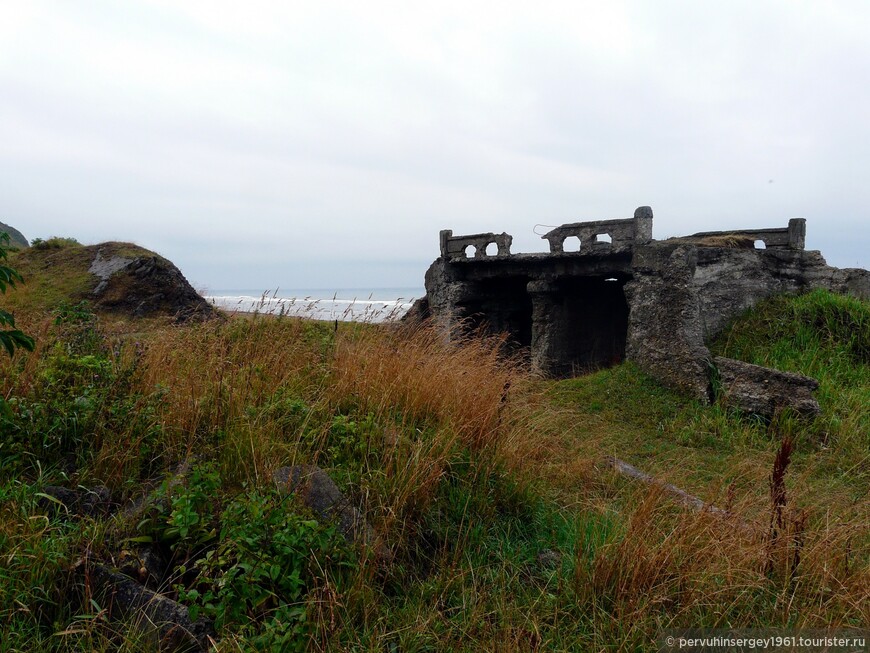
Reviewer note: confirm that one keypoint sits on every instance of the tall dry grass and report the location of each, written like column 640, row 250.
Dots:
column 257, row 393
column 426, row 397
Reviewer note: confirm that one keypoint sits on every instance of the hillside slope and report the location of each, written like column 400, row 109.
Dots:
column 115, row 277
column 16, row 238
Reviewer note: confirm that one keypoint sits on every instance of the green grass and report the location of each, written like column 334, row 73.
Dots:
column 56, row 273
column 506, row 531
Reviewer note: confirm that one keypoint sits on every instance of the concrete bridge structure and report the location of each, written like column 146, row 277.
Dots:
column 620, row 294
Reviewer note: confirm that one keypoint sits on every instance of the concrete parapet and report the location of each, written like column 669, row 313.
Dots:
column 456, row 247
column 604, row 235
column 791, row 237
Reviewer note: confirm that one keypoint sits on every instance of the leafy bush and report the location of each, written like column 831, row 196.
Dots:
column 55, row 242
column 248, row 561
column 10, row 339
column 255, row 581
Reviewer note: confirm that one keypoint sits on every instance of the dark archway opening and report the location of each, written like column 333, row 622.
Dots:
column 502, row 305
column 590, row 324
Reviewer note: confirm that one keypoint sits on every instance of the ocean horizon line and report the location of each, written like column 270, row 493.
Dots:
column 350, row 305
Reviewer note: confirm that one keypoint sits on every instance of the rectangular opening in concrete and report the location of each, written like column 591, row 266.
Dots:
column 590, row 324
column 502, row 305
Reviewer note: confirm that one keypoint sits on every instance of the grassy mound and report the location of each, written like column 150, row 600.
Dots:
column 506, row 530
column 120, row 278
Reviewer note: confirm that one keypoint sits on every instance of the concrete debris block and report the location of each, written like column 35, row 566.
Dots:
column 145, row 564
column 320, row 493
column 764, row 391
column 81, row 502
column 164, row 621
column 665, row 336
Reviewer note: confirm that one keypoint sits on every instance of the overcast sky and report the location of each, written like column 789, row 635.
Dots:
column 324, row 145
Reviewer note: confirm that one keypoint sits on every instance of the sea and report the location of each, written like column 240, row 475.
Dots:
column 346, row 305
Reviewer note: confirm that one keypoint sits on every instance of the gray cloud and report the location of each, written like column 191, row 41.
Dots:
column 237, row 141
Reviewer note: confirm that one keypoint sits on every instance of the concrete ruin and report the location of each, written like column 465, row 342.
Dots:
column 622, row 294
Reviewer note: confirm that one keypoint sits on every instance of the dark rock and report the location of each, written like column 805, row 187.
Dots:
column 319, row 492
column 81, row 502
column 166, row 622
column 418, row 313
column 16, row 238
column 145, row 564
column 142, row 284
column 764, row 391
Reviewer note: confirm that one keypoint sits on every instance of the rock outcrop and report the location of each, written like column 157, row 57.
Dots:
column 114, row 277
column 142, row 283
column 16, row 238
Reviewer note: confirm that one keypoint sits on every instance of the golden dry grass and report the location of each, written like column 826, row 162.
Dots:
column 227, row 390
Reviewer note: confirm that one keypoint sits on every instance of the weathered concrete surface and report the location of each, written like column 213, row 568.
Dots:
column 164, row 621
column 621, row 234
column 320, row 493
column 654, row 302
column 684, row 295
column 560, row 306
column 764, row 391
column 456, row 246
column 728, row 281
column 665, row 333
column 791, row 237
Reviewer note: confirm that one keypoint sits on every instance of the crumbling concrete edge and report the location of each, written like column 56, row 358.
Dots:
column 165, row 622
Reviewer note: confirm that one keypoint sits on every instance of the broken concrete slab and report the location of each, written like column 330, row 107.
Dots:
column 165, row 622
column 320, row 493
column 765, row 391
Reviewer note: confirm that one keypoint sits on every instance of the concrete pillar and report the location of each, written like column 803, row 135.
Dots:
column 643, row 219
column 449, row 312
column 544, row 323
column 797, row 233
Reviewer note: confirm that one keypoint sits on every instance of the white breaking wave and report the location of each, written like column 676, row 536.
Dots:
column 315, row 308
